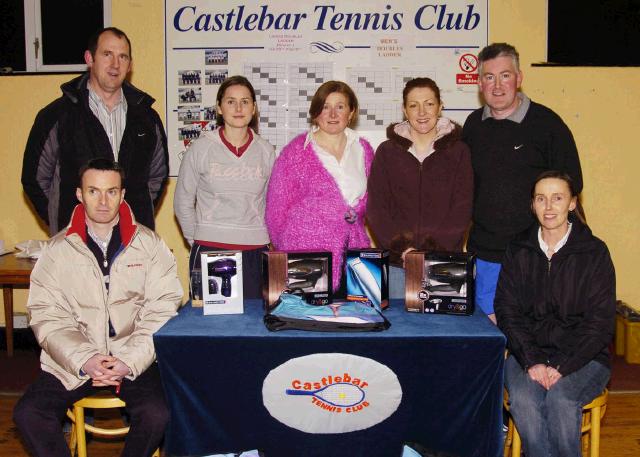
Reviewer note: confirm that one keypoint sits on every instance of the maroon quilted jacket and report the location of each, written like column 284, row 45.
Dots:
column 422, row 205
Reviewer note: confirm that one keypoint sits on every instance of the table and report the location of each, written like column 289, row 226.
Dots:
column 450, row 369
column 13, row 272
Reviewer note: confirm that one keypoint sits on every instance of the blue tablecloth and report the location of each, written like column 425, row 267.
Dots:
column 450, row 369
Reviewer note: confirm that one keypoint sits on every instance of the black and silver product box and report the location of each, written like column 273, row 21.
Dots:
column 367, row 276
column 307, row 273
column 439, row 282
column 222, row 282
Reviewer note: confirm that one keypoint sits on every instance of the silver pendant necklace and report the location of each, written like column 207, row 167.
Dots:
column 103, row 244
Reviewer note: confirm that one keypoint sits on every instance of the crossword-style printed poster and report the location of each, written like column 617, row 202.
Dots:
column 284, row 92
column 288, row 49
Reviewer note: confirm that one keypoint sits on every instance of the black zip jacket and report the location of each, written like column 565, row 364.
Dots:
column 66, row 135
column 559, row 312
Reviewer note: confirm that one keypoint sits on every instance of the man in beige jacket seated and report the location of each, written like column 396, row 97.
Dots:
column 100, row 290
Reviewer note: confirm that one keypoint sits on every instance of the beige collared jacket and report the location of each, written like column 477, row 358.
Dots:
column 69, row 306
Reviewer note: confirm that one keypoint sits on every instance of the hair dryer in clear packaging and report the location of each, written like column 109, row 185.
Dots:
column 440, row 282
column 222, row 282
column 452, row 276
column 304, row 273
column 223, row 269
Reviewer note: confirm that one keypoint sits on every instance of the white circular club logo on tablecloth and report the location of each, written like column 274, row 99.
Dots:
column 331, row 393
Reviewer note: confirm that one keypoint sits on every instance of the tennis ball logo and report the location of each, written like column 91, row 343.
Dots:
column 331, row 393
column 335, row 394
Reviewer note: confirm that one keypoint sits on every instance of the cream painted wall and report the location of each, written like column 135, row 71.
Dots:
column 21, row 97
column 600, row 105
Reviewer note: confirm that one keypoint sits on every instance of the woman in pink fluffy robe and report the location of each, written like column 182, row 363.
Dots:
column 317, row 194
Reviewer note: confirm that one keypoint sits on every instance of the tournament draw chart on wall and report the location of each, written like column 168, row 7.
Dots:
column 288, row 50
column 284, row 92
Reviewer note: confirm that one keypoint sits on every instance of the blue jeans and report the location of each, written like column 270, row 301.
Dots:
column 549, row 422
column 487, row 274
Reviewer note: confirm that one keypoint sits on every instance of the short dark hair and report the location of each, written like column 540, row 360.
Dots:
column 236, row 80
column 92, row 45
column 102, row 164
column 420, row 82
column 498, row 50
column 328, row 88
column 561, row 175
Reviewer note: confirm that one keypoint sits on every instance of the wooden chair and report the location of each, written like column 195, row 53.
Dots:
column 103, row 400
column 592, row 414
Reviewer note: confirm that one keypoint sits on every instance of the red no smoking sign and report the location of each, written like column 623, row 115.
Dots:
column 469, row 65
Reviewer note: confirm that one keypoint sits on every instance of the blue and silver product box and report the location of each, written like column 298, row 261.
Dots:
column 367, row 276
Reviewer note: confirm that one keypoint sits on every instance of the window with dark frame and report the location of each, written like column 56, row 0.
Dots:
column 64, row 37
column 48, row 36
column 12, row 51
column 593, row 32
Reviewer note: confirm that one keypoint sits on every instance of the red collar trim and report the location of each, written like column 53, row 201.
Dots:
column 77, row 224
column 127, row 223
column 237, row 151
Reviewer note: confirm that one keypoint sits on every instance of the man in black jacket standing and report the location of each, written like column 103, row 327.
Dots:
column 512, row 140
column 98, row 115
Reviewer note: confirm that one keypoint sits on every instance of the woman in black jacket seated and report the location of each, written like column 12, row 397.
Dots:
column 555, row 302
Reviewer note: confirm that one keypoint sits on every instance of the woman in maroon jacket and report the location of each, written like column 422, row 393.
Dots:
column 421, row 182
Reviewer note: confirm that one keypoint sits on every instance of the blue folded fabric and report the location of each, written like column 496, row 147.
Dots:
column 409, row 452
column 293, row 306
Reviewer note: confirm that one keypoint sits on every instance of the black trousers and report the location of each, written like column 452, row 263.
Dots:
column 40, row 412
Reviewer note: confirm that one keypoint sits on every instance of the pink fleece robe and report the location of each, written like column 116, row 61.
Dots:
column 305, row 208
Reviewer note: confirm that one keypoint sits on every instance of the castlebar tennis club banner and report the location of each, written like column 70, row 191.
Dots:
column 331, row 393
column 287, row 49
